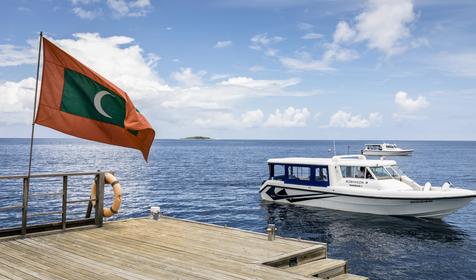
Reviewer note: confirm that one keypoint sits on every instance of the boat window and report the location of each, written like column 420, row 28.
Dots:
column 299, row 172
column 395, row 171
column 321, row 174
column 355, row 172
column 279, row 172
column 380, row 173
column 389, row 146
column 374, row 147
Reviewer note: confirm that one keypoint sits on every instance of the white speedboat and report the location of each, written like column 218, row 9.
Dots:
column 385, row 149
column 357, row 184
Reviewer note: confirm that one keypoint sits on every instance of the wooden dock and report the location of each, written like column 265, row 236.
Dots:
column 164, row 249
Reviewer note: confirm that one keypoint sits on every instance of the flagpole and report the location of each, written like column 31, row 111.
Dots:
column 34, row 105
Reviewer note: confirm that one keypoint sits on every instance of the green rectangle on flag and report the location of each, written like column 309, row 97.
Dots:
column 82, row 96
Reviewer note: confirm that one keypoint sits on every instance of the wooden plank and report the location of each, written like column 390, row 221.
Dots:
column 88, row 259
column 207, row 243
column 348, row 276
column 147, row 249
column 197, row 229
column 8, row 272
column 181, row 261
column 324, row 268
column 299, row 257
column 63, row 266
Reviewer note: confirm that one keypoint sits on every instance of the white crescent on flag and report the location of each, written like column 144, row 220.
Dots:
column 97, row 103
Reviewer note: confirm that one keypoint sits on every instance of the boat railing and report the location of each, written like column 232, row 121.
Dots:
column 23, row 203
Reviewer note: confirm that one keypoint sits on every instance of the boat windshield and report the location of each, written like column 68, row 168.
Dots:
column 391, row 146
column 394, row 171
column 373, row 147
column 381, row 173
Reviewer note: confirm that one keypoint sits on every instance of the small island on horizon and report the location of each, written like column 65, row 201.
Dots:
column 197, row 138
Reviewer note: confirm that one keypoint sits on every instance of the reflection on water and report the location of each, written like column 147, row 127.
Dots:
column 319, row 222
column 380, row 247
column 218, row 182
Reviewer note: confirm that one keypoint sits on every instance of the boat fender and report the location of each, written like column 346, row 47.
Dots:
column 116, row 187
column 427, row 187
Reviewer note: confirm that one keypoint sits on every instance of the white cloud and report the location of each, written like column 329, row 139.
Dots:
column 385, row 24
column 408, row 117
column 125, row 64
column 256, row 68
column 131, row 70
column 225, row 93
column 139, row 3
column 336, row 53
column 215, row 77
column 291, row 117
column 131, row 8
column 305, row 64
column 85, row 14
column 271, row 52
column 347, row 120
column 217, row 120
column 252, row 118
column 187, row 78
column 11, row 55
column 411, row 105
column 304, row 26
column 223, row 44
column 312, row 36
column 260, row 41
column 119, row 8
column 116, row 58
column 17, row 101
column 457, row 64
column 343, row 33
column 83, row 2
column 269, row 4
column 260, row 84
column 317, row 116
column 225, row 120
column 333, row 52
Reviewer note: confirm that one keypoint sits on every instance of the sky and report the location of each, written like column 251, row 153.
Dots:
column 261, row 69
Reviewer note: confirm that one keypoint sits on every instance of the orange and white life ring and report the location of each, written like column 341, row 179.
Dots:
column 116, row 187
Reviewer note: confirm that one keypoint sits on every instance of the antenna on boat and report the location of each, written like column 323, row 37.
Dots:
column 334, row 141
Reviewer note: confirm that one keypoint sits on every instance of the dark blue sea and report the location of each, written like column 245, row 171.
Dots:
column 217, row 181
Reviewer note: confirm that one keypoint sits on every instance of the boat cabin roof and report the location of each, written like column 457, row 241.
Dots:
column 357, row 160
column 381, row 144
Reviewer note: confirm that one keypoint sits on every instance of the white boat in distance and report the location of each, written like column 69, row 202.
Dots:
column 356, row 184
column 385, row 149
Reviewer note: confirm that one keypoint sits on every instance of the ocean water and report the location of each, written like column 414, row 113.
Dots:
column 217, row 181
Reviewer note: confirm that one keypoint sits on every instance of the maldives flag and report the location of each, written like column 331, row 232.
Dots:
column 78, row 101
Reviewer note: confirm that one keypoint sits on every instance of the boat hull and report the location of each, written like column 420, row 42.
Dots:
column 387, row 153
column 436, row 208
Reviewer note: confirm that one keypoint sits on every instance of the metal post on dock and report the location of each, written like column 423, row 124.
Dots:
column 24, row 212
column 99, row 199
column 65, row 201
column 271, row 230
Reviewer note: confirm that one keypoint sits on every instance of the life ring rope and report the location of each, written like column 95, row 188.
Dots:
column 116, row 187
